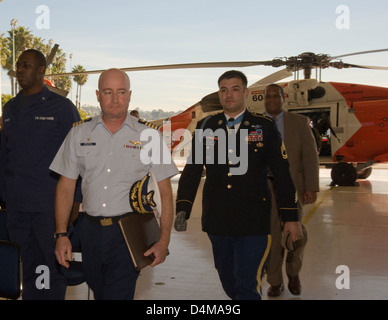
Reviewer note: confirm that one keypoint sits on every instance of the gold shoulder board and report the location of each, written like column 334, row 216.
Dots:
column 149, row 124
column 81, row 122
column 260, row 115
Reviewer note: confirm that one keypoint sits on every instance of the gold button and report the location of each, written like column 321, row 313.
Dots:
column 229, row 174
column 229, row 186
column 230, row 163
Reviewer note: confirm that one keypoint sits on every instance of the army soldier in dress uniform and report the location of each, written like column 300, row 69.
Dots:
column 236, row 202
column 107, row 153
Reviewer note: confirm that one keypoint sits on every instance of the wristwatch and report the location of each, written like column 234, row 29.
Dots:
column 60, row 234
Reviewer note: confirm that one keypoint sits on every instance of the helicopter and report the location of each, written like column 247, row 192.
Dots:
column 351, row 118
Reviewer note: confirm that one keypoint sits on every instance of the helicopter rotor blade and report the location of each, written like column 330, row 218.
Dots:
column 61, row 92
column 348, row 65
column 12, row 73
column 341, row 65
column 305, row 61
column 235, row 64
column 358, row 53
column 274, row 77
column 51, row 56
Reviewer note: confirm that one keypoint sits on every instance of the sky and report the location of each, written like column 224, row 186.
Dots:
column 118, row 33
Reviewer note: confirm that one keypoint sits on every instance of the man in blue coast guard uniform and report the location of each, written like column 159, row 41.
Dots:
column 236, row 204
column 111, row 152
column 35, row 124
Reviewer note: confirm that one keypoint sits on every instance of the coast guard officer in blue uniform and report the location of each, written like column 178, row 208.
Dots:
column 110, row 153
column 35, row 124
column 236, row 203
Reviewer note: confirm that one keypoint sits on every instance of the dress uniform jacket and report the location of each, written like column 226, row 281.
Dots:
column 237, row 204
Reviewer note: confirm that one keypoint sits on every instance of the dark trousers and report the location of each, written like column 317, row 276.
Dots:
column 240, row 262
column 35, row 233
column 107, row 265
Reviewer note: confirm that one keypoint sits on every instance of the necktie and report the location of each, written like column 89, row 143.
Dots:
column 230, row 123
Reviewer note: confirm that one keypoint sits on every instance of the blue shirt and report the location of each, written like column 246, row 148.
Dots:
column 34, row 128
column 279, row 122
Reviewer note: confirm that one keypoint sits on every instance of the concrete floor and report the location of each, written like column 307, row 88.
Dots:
column 347, row 229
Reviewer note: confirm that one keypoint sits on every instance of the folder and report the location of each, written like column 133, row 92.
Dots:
column 141, row 232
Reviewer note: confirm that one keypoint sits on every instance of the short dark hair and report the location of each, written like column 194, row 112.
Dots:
column 39, row 57
column 281, row 90
column 234, row 74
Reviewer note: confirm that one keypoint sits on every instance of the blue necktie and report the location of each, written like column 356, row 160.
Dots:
column 231, row 122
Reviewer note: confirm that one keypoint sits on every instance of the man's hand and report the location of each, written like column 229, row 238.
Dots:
column 158, row 252
column 63, row 249
column 180, row 221
column 294, row 228
column 310, row 197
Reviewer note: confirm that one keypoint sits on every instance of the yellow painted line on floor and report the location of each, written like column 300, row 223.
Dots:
column 308, row 216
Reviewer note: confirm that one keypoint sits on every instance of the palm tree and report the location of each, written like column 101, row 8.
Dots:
column 4, row 50
column 80, row 80
column 23, row 41
column 4, row 53
column 58, row 65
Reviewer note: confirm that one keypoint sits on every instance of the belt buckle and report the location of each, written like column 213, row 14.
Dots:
column 106, row 222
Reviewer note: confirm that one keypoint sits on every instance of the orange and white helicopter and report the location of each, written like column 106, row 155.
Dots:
column 352, row 118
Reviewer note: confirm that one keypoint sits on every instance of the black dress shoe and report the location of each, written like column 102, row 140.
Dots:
column 275, row 291
column 294, row 285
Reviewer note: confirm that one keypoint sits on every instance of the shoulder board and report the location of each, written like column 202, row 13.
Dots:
column 260, row 115
column 81, row 122
column 149, row 124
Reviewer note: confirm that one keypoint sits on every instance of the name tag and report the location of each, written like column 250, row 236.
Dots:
column 44, row 118
column 83, row 144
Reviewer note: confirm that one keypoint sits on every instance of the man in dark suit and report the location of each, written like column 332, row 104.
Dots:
column 304, row 167
column 236, row 148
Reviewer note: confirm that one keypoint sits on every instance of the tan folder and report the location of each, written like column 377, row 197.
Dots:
column 141, row 232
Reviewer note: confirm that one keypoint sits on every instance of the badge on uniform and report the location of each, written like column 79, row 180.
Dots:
column 87, row 143
column 134, row 145
column 257, row 135
column 283, row 151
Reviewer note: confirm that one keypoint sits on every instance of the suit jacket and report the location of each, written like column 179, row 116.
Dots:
column 236, row 204
column 302, row 153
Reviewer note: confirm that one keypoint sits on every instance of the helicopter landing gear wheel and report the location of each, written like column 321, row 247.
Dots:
column 344, row 174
